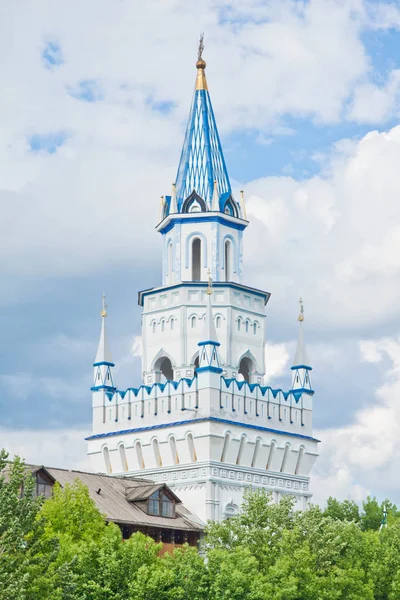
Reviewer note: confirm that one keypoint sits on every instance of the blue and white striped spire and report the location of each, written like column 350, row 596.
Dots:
column 202, row 165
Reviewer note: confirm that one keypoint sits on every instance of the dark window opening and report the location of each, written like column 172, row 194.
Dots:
column 43, row 486
column 245, row 368
column 196, row 259
column 160, row 505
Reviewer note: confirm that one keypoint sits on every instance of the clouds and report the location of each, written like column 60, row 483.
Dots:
column 335, row 236
column 361, row 458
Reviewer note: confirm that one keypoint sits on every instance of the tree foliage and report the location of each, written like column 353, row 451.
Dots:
column 62, row 549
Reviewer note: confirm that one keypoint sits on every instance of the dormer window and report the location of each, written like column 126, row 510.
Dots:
column 195, row 207
column 160, row 505
column 44, row 486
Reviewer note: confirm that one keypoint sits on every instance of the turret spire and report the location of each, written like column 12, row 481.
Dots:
column 301, row 363
column 103, row 362
column 209, row 359
column 202, row 161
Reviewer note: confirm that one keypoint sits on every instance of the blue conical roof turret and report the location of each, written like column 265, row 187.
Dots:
column 202, row 165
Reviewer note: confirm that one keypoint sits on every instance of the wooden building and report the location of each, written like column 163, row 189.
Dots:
column 132, row 504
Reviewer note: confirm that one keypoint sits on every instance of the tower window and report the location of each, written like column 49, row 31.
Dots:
column 154, row 326
column 228, row 266
column 163, row 325
column 196, row 259
column 218, row 322
column 193, row 322
column 238, row 324
column 247, row 327
column 172, row 324
column 254, row 328
column 245, row 368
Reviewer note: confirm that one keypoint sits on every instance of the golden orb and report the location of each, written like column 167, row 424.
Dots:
column 201, row 64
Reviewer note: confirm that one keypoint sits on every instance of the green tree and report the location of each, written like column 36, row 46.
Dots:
column 22, row 549
column 347, row 510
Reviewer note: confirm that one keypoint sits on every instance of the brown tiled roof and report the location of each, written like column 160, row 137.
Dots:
column 110, row 495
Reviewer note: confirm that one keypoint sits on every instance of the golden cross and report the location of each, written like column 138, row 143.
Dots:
column 210, row 282
column 301, row 315
column 104, row 309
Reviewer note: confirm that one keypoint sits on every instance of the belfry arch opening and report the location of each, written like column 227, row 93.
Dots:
column 196, row 259
column 164, row 365
column 228, row 260
column 245, row 368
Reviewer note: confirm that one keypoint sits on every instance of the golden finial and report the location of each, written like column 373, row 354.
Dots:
column 104, row 309
column 243, row 204
column 210, row 282
column 300, row 318
column 201, row 81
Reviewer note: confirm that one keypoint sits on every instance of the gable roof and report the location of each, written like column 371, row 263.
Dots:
column 110, row 494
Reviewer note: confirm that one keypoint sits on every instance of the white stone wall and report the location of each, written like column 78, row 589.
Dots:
column 210, row 463
column 173, row 322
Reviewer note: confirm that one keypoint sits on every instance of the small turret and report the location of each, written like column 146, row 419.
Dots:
column 301, row 363
column 208, row 357
column 103, row 363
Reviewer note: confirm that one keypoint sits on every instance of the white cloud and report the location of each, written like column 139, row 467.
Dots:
column 93, row 202
column 333, row 238
column 376, row 103
column 65, row 448
column 276, row 361
column 362, row 457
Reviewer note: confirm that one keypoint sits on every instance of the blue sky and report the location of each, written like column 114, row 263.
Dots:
column 94, row 106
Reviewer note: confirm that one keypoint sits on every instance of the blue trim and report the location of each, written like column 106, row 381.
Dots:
column 212, row 218
column 103, row 364
column 304, row 391
column 202, row 420
column 106, row 388
column 209, row 369
column 204, row 284
column 301, row 367
column 209, row 342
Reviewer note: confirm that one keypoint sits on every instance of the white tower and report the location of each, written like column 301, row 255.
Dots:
column 202, row 421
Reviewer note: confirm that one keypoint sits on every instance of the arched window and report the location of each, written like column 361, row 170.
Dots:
column 247, row 327
column 139, row 455
column 239, row 322
column 285, row 457
column 245, row 368
column 154, row 326
column 192, row 450
column 241, row 450
column 157, row 455
column 270, row 455
column 174, row 451
column 256, row 452
column 228, row 260
column 172, row 323
column 107, row 462
column 299, row 461
column 225, row 447
column 196, row 364
column 164, row 365
column 218, row 322
column 196, row 259
column 193, row 322
column 163, row 325
column 122, row 456
column 254, row 328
